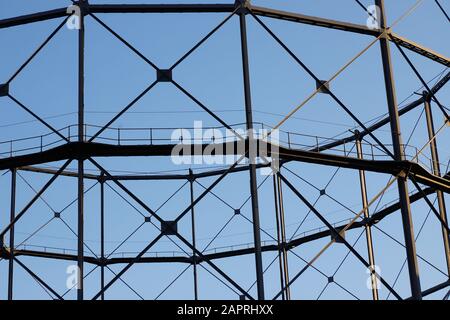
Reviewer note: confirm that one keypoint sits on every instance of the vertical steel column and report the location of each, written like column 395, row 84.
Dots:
column 102, row 234
column 80, row 256
column 251, row 155
column 365, row 203
column 402, row 182
column 11, row 235
column 283, row 238
column 277, row 216
column 437, row 172
column 194, row 255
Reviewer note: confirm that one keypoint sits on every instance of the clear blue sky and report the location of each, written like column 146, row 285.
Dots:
column 115, row 75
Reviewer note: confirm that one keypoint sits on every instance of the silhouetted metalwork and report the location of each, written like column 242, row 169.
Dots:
column 75, row 143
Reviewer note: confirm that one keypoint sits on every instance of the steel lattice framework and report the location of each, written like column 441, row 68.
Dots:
column 74, row 144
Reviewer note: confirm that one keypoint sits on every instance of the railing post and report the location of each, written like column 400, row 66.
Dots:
column 417, row 155
column 289, row 139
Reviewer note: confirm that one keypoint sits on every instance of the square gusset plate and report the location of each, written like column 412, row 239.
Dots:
column 4, row 89
column 169, row 228
column 164, row 75
column 336, row 237
column 323, row 86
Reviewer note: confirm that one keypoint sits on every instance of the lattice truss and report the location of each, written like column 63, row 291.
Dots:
column 356, row 211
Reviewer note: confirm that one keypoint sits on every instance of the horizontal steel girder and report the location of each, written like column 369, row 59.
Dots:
column 189, row 8
column 227, row 8
column 118, row 8
column 75, row 150
column 419, row 49
column 316, row 21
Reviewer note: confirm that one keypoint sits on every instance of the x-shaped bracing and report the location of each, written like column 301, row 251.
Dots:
column 175, row 232
column 336, row 234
